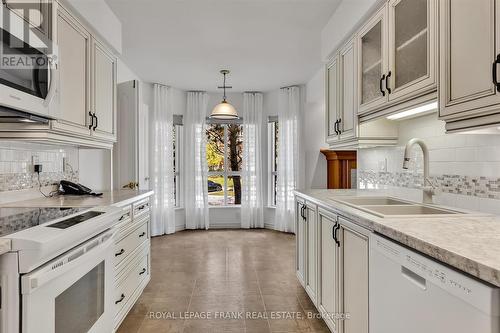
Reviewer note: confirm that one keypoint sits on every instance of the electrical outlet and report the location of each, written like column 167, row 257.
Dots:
column 37, row 168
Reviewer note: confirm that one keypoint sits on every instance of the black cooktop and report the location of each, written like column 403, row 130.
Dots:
column 17, row 219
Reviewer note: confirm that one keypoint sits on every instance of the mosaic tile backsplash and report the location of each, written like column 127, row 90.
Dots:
column 16, row 165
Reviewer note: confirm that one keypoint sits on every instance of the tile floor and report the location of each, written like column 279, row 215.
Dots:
column 223, row 272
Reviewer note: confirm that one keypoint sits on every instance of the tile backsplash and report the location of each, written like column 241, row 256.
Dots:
column 464, row 167
column 16, row 165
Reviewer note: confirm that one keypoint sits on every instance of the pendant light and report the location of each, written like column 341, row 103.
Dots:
column 224, row 110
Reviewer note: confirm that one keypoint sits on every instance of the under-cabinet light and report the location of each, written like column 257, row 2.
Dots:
column 411, row 112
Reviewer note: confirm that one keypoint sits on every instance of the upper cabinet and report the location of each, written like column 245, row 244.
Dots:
column 398, row 56
column 40, row 16
column 469, row 92
column 103, row 92
column 87, row 83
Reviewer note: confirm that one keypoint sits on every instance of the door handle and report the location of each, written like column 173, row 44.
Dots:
column 91, row 120
column 380, row 85
column 122, row 297
column 413, row 277
column 387, row 82
column 96, row 122
column 494, row 73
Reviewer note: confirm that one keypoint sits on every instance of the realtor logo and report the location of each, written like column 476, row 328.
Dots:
column 25, row 41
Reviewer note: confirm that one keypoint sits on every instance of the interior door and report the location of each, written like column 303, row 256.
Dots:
column 354, row 261
column 74, row 89
column 372, row 46
column 412, row 47
column 104, row 91
column 312, row 252
column 348, row 109
column 332, row 99
column 328, row 293
column 469, row 45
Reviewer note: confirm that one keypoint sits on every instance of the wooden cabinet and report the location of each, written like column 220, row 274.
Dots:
column 353, row 262
column 103, row 91
column 469, row 53
column 74, row 75
column 328, row 270
column 340, row 167
column 397, row 58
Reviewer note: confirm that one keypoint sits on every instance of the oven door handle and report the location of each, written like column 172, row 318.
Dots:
column 52, row 270
column 52, row 82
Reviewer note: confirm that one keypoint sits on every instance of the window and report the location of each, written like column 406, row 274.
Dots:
column 272, row 134
column 224, row 155
column 177, row 139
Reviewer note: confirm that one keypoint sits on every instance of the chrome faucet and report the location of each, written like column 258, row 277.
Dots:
column 428, row 188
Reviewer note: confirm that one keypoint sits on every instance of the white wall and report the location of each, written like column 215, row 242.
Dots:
column 452, row 155
column 102, row 19
column 124, row 73
column 344, row 22
column 315, row 168
column 95, row 168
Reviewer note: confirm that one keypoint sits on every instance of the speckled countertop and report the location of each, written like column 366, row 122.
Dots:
column 470, row 243
column 112, row 198
column 118, row 197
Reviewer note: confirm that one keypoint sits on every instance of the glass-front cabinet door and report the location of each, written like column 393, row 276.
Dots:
column 372, row 62
column 412, row 47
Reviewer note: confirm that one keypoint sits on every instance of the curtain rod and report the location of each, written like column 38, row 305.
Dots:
column 252, row 92
column 288, row 87
column 163, row 85
column 198, row 91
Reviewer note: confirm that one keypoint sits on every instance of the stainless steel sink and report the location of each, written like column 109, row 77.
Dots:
column 409, row 210
column 387, row 207
column 364, row 201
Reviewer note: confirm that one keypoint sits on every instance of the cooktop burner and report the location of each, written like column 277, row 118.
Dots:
column 17, row 219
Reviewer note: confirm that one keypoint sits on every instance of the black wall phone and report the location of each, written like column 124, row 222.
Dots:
column 67, row 187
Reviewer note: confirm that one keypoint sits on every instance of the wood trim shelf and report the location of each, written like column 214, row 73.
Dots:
column 340, row 165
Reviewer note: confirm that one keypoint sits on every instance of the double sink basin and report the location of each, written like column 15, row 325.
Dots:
column 391, row 207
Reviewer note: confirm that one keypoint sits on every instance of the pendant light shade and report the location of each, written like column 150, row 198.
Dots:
column 224, row 110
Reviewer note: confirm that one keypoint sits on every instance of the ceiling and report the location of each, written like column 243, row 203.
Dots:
column 184, row 43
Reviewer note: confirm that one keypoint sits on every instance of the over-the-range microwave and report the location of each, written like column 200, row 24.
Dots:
column 28, row 71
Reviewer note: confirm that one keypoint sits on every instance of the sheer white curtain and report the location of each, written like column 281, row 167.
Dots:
column 162, row 163
column 288, row 152
column 252, row 204
column 195, row 163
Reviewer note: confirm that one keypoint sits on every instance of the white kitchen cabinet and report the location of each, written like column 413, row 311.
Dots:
column 103, row 91
column 353, row 247
column 332, row 100
column 310, row 213
column 300, row 240
column 328, row 270
column 469, row 57
column 40, row 16
column 132, row 146
column 344, row 131
column 74, row 75
column 397, row 58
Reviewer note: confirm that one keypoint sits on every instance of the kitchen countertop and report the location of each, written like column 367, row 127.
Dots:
column 470, row 243
column 112, row 198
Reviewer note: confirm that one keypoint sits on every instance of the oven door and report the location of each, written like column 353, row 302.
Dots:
column 72, row 293
column 28, row 70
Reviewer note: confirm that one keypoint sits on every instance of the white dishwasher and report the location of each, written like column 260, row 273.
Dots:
column 410, row 293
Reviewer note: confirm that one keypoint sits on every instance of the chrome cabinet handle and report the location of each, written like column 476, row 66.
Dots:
column 122, row 297
column 122, row 251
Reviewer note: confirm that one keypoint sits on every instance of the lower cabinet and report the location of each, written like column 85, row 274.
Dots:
column 132, row 258
column 332, row 266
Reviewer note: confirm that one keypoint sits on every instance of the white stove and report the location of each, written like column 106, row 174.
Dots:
column 58, row 276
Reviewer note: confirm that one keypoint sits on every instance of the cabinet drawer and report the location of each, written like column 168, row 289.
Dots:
column 125, row 290
column 129, row 243
column 140, row 208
